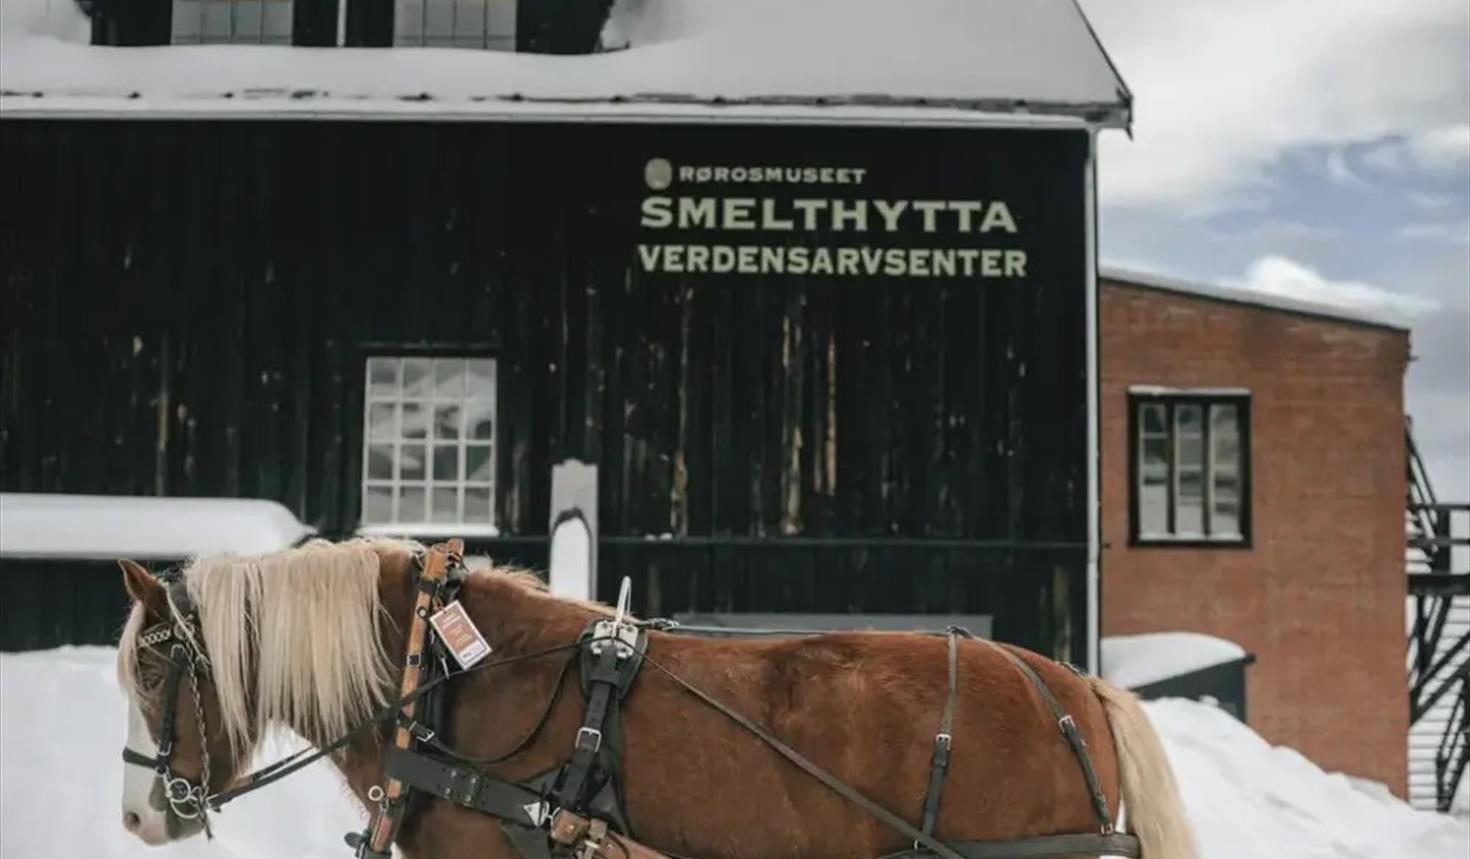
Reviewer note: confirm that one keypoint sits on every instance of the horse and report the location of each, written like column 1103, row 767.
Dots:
column 312, row 639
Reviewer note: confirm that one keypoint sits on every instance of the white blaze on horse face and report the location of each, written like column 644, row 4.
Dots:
column 139, row 816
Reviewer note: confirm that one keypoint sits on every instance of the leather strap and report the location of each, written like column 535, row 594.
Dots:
column 943, row 741
column 604, row 679
column 385, row 825
column 465, row 786
column 1040, row 847
column 1068, row 727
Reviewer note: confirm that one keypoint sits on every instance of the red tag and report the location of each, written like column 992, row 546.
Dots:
column 460, row 634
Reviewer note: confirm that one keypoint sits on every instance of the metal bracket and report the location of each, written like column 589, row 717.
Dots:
column 617, row 631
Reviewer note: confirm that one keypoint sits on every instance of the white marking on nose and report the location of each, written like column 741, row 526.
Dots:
column 139, row 817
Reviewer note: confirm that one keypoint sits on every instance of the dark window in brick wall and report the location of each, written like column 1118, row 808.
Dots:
column 1189, row 467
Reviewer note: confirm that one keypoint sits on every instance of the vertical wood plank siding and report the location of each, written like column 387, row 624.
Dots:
column 187, row 308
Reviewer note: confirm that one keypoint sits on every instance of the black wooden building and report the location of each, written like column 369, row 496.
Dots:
column 823, row 362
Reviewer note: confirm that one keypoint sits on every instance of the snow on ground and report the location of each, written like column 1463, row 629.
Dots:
column 62, row 722
column 62, row 725
column 1138, row 660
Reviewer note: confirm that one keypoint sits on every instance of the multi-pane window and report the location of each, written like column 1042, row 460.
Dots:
column 428, row 445
column 485, row 24
column 264, row 22
column 1191, row 467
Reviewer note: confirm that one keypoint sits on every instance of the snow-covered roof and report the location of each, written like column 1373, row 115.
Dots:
column 1021, row 60
column 1232, row 295
column 112, row 526
column 1138, row 660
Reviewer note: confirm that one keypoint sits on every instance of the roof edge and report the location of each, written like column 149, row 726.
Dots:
column 1248, row 298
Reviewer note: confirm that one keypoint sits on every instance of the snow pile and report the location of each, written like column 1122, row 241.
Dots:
column 1252, row 800
column 1001, row 56
column 62, row 20
column 62, row 724
column 1131, row 661
column 40, row 525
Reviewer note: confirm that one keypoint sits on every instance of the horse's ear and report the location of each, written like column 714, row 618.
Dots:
column 143, row 587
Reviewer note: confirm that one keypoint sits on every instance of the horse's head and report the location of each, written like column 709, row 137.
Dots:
column 177, row 753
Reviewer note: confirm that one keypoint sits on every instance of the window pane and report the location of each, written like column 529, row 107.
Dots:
column 1189, row 511
column 278, row 20
column 439, row 20
column 381, row 421
column 408, row 20
column 382, row 377
column 411, row 504
column 1226, row 519
column 380, row 462
column 477, row 505
column 446, row 421
column 1153, row 418
column 1225, row 436
column 416, row 378
column 1191, row 451
column 1188, row 419
column 481, row 379
column 479, row 420
column 501, row 19
column 378, row 505
column 217, row 25
column 411, row 462
column 446, row 506
column 415, row 421
column 248, row 20
column 469, row 20
column 477, row 463
column 449, row 378
column 446, row 463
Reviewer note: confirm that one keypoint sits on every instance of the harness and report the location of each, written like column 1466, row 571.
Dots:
column 573, row 810
column 186, row 798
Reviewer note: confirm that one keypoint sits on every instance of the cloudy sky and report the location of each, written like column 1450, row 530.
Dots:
column 1313, row 148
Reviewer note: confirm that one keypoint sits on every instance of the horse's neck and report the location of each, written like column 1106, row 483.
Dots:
column 514, row 620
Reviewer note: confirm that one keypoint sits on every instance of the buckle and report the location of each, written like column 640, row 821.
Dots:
column 1068, row 725
column 421, row 732
column 944, row 741
column 594, row 738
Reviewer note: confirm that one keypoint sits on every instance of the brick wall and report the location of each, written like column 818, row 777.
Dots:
column 1319, row 596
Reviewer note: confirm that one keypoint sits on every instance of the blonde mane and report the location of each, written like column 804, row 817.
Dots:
column 292, row 639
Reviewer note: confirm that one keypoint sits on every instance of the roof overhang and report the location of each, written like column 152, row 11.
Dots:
column 1029, row 61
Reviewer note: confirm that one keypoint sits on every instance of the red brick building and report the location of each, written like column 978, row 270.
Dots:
column 1253, row 489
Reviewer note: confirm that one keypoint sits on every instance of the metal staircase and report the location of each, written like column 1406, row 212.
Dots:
column 1439, row 638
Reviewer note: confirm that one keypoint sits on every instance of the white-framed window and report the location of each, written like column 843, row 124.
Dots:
column 482, row 24
column 1190, row 466
column 207, row 22
column 429, row 445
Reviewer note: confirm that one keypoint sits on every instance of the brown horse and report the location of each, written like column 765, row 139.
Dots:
column 312, row 639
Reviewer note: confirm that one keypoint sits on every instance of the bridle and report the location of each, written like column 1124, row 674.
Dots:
column 187, row 799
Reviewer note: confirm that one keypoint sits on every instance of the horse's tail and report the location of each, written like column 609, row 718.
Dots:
column 1155, row 812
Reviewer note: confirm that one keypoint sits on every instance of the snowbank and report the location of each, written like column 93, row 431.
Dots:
column 1248, row 799
column 1137, row 660
column 991, row 56
column 1251, row 800
column 38, row 525
column 61, row 778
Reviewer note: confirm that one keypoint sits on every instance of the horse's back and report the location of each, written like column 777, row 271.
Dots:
column 866, row 707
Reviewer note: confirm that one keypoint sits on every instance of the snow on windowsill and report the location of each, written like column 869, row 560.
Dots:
column 1138, row 660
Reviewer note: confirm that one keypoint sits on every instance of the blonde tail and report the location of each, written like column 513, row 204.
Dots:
column 1155, row 811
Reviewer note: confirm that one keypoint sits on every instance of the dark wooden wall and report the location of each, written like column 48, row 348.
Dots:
column 187, row 306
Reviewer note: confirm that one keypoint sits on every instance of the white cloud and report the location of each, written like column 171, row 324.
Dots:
column 1447, row 147
column 1286, row 278
column 1451, row 232
column 1224, row 90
